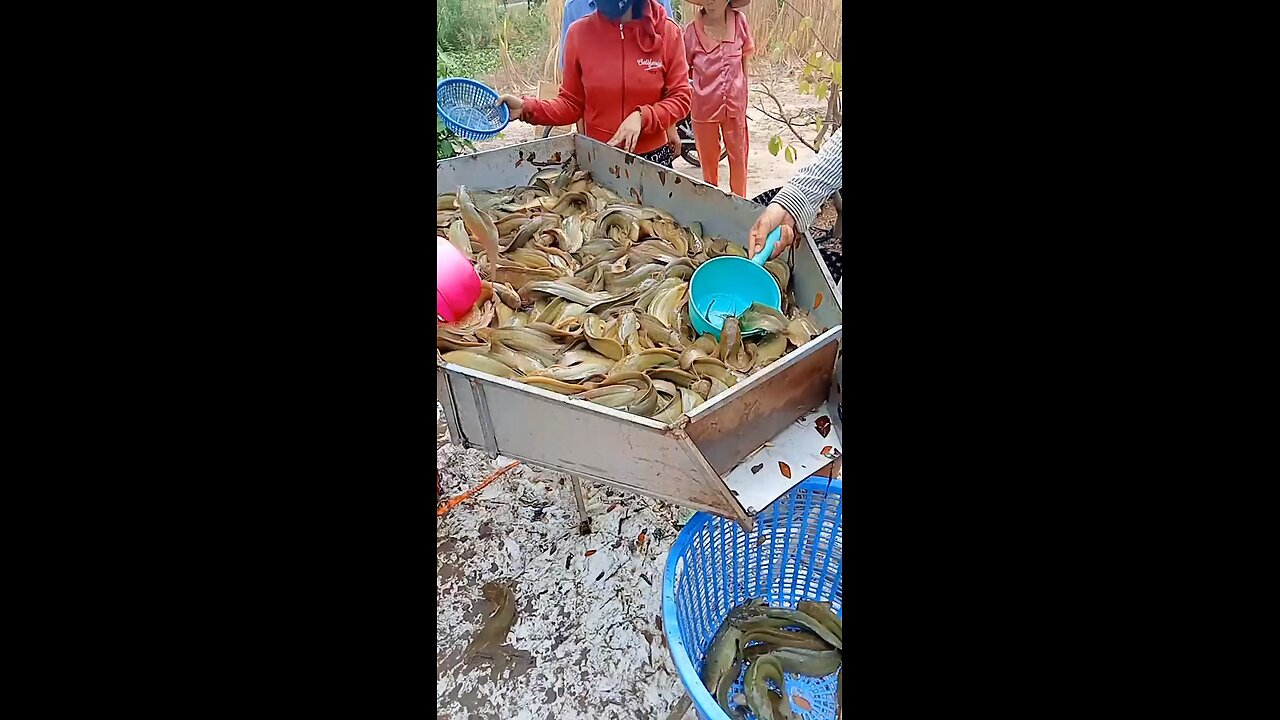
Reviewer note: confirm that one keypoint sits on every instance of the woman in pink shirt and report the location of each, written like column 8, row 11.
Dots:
column 718, row 43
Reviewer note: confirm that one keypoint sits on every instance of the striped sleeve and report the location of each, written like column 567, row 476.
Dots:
column 803, row 196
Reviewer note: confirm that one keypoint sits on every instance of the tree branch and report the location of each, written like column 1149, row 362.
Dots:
column 781, row 116
column 833, row 120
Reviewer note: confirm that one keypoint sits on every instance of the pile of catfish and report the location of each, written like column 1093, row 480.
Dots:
column 585, row 294
column 771, row 641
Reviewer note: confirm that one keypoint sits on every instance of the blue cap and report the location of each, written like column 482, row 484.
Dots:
column 614, row 9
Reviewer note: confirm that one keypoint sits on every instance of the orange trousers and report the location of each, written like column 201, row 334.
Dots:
column 706, row 135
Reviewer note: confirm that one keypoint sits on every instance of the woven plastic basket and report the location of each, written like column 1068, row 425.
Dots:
column 470, row 109
column 793, row 554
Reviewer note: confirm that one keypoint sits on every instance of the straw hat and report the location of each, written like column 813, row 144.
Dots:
column 732, row 3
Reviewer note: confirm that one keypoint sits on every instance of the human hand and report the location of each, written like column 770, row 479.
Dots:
column 514, row 105
column 628, row 133
column 773, row 216
column 673, row 140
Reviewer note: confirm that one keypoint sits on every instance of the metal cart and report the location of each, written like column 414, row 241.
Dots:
column 732, row 455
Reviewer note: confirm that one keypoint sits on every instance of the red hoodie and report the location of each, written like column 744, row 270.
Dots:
column 609, row 74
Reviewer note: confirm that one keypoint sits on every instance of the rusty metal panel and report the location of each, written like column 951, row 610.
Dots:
column 800, row 450
column 581, row 438
column 731, row 426
column 503, row 167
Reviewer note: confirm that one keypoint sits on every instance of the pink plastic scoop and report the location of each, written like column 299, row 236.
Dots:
column 457, row 284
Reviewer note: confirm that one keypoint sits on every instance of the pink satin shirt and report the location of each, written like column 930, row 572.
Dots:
column 719, row 79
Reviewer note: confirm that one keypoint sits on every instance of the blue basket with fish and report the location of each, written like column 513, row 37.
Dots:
column 470, row 109
column 793, row 555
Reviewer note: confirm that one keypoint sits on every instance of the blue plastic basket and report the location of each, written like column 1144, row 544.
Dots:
column 470, row 109
column 793, row 554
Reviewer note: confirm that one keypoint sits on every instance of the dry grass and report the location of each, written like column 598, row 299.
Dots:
column 770, row 25
column 551, row 67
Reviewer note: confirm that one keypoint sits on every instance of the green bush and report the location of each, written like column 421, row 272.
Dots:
column 528, row 32
column 469, row 31
column 446, row 64
column 463, row 24
column 448, row 144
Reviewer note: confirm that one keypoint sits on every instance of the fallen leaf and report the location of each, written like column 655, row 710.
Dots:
column 756, row 468
column 801, row 702
column 567, row 560
column 611, row 508
column 590, row 553
column 826, row 450
column 600, row 576
column 823, row 426
column 830, row 453
column 817, row 301
column 785, row 469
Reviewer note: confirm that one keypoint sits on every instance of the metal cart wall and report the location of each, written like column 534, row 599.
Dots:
column 731, row 456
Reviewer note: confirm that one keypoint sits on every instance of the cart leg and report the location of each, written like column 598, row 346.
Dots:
column 584, row 522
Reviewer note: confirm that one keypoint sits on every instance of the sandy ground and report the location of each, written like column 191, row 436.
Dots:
column 589, row 623
column 764, row 171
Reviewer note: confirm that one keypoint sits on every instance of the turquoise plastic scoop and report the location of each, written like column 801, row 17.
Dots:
column 727, row 285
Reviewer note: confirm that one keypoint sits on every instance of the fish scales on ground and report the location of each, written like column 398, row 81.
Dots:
column 569, row 267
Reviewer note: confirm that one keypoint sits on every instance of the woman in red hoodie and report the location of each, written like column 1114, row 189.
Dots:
column 625, row 75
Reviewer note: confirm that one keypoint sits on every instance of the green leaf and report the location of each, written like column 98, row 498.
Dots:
column 775, row 144
column 806, row 23
column 440, row 125
column 837, row 71
column 791, row 39
column 821, row 91
column 817, row 125
column 804, row 87
column 445, row 150
column 791, row 153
